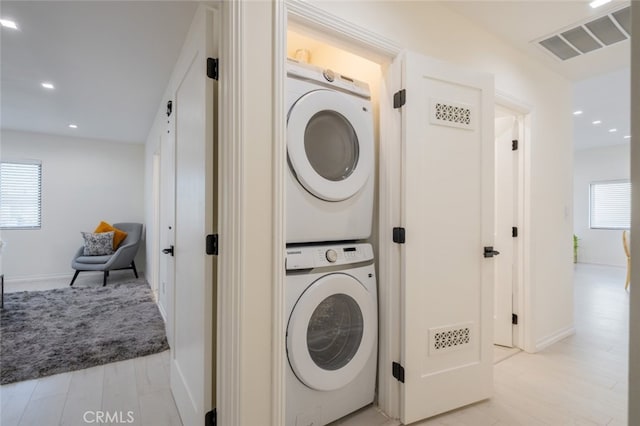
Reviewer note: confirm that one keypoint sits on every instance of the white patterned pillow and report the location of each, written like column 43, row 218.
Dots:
column 99, row 244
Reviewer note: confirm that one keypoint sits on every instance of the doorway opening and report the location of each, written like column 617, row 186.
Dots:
column 511, row 137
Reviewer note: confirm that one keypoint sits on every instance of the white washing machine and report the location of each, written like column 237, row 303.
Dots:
column 332, row 332
column 330, row 151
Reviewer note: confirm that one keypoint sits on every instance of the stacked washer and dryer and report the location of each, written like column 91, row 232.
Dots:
column 331, row 294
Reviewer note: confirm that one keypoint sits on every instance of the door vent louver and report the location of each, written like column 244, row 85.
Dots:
column 445, row 339
column 590, row 36
column 452, row 114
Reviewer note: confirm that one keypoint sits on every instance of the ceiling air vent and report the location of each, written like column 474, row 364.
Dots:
column 590, row 36
column 559, row 47
column 623, row 17
column 581, row 39
column 606, row 30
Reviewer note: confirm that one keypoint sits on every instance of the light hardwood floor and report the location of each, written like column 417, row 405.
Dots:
column 581, row 380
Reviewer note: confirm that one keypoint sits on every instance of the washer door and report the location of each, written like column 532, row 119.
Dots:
column 330, row 144
column 331, row 332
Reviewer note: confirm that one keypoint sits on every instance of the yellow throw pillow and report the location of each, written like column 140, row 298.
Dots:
column 118, row 235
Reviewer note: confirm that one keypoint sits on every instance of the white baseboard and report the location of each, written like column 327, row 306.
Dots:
column 59, row 276
column 38, row 278
column 549, row 340
column 162, row 311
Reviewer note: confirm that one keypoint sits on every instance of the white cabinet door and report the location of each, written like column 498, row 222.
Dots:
column 193, row 355
column 448, row 213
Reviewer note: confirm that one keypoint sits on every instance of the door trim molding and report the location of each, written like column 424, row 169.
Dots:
column 321, row 24
column 326, row 24
column 231, row 195
column 279, row 366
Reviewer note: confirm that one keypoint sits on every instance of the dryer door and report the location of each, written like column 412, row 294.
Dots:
column 331, row 332
column 330, row 144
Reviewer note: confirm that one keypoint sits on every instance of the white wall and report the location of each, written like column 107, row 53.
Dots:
column 602, row 246
column 84, row 181
column 437, row 31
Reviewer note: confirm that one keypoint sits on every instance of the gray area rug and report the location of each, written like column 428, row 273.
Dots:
column 54, row 331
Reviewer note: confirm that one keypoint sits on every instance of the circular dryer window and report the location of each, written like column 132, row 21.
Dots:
column 335, row 332
column 331, row 332
column 331, row 145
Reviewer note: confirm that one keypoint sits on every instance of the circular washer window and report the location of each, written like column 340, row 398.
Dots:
column 331, row 145
column 335, row 332
column 331, row 332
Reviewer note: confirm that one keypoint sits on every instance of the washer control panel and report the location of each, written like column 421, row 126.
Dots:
column 309, row 257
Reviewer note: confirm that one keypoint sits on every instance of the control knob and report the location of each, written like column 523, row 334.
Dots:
column 329, row 75
column 331, row 255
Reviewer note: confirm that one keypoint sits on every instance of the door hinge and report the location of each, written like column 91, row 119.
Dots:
column 490, row 252
column 398, row 235
column 514, row 145
column 211, row 418
column 398, row 371
column 212, row 244
column 514, row 319
column 399, row 98
column 514, row 231
column 169, row 108
column 212, row 68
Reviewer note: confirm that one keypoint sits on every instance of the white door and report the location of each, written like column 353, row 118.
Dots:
column 192, row 354
column 447, row 211
column 167, row 224
column 506, row 131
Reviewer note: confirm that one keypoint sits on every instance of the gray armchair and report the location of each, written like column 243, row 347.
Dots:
column 121, row 259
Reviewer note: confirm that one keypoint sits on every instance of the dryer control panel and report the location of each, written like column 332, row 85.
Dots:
column 309, row 257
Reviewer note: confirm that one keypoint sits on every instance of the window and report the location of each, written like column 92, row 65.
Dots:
column 610, row 205
column 20, row 195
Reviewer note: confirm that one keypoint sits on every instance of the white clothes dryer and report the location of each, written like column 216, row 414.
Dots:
column 330, row 151
column 331, row 333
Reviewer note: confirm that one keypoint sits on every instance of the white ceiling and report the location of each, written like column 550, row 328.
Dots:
column 111, row 60
column 601, row 78
column 605, row 98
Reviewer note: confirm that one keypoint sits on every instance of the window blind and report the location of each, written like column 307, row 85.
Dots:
column 610, row 205
column 20, row 195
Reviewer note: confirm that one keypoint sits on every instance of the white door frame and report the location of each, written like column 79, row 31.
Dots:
column 523, row 334
column 231, row 266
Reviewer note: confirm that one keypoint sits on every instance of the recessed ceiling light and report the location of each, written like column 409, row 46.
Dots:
column 577, row 112
column 47, row 85
column 73, row 126
column 7, row 23
column 627, row 137
column 613, row 130
column 598, row 3
column 596, row 122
